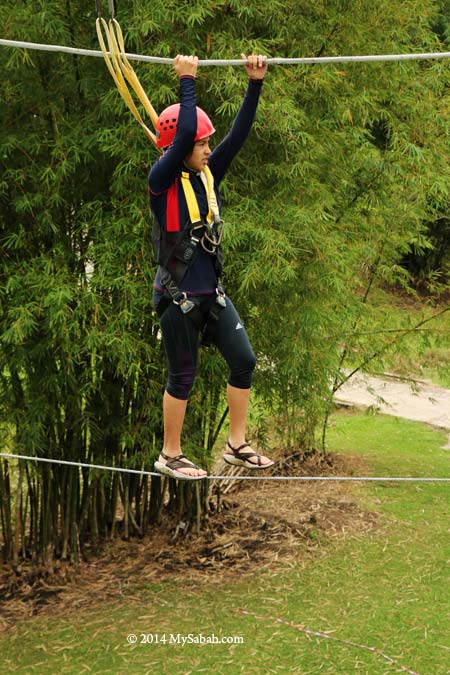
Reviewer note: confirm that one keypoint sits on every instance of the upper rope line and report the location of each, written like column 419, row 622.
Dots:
column 232, row 62
column 142, row 472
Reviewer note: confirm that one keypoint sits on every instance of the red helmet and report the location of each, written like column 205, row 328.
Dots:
column 167, row 125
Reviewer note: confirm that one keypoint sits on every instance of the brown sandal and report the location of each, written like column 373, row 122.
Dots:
column 174, row 463
column 239, row 458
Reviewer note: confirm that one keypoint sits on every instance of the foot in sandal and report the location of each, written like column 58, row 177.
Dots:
column 248, row 458
column 178, row 466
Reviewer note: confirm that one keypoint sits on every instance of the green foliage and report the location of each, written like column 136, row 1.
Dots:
column 349, row 157
column 346, row 166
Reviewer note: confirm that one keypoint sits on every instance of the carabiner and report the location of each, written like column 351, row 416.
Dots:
column 212, row 239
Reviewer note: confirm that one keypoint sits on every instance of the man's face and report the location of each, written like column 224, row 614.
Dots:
column 198, row 158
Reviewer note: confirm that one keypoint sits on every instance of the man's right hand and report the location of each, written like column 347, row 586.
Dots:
column 185, row 65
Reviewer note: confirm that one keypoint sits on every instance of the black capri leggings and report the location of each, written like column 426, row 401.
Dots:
column 181, row 341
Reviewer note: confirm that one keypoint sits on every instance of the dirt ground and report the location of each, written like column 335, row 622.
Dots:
column 259, row 525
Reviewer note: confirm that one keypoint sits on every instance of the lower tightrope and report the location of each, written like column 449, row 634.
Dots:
column 143, row 472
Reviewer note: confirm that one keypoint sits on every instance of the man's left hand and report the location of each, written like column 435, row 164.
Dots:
column 256, row 66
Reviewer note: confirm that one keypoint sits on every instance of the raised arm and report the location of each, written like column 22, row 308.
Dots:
column 223, row 154
column 164, row 170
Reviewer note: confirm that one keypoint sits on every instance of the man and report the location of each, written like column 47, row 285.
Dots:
column 188, row 296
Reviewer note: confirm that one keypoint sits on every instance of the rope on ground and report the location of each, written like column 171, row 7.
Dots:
column 327, row 636
column 142, row 472
column 232, row 62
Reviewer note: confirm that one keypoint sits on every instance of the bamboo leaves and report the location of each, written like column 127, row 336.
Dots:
column 345, row 173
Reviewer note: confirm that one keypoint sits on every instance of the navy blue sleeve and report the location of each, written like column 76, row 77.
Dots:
column 222, row 156
column 163, row 172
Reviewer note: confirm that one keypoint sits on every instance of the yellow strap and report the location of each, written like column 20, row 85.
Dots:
column 191, row 199
column 129, row 73
column 118, row 66
column 212, row 200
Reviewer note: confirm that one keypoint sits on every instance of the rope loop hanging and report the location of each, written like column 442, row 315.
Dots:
column 121, row 69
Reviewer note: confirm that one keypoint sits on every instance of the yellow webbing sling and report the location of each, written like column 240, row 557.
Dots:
column 191, row 199
column 122, row 71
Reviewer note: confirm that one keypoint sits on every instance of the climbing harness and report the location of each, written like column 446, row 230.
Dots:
column 176, row 252
column 176, row 249
column 211, row 238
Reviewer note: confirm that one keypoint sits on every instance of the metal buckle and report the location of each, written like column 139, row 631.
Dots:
column 221, row 298
column 184, row 304
column 195, row 238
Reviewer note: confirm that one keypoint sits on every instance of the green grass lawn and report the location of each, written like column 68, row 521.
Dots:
column 388, row 590
column 424, row 353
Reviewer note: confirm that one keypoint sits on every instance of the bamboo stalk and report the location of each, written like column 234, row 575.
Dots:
column 17, row 519
column 5, row 509
column 199, row 507
column 73, row 517
column 114, row 500
column 145, row 503
column 67, row 519
column 124, row 496
column 93, row 524
column 34, row 532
